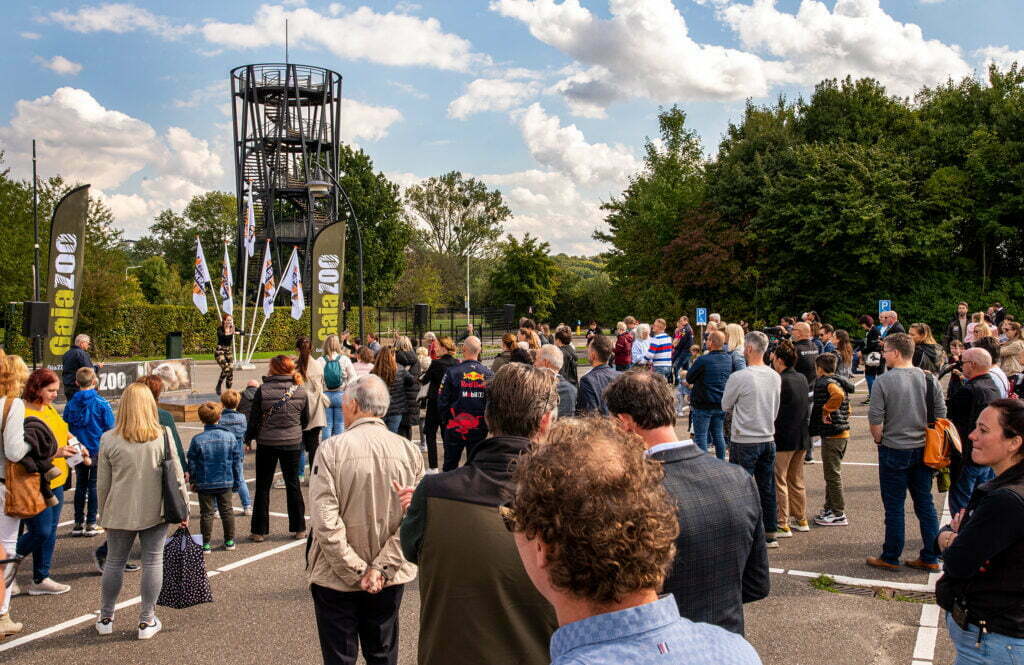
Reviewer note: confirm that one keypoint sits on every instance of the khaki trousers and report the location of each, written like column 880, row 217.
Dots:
column 790, row 492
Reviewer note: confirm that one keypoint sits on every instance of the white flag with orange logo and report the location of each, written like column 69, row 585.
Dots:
column 200, row 279
column 267, row 285
column 291, row 281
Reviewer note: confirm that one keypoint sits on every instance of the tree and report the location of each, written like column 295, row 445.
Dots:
column 160, row 284
column 526, row 276
column 211, row 216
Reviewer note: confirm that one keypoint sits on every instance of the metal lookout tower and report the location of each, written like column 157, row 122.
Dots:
column 287, row 128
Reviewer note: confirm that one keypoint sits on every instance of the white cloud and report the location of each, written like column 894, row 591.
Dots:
column 1001, row 56
column 930, row 2
column 364, row 121
column 389, row 39
column 407, row 7
column 856, row 38
column 566, row 150
column 83, row 141
column 209, row 94
column 119, row 18
column 491, row 95
column 60, row 65
column 643, row 50
column 31, row 35
column 335, row 8
column 409, row 89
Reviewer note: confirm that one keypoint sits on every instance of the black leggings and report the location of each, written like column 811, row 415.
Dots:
column 430, row 426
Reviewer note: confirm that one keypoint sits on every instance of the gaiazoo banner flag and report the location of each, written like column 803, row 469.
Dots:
column 66, row 263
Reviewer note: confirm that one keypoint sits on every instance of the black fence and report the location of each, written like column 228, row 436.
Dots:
column 489, row 323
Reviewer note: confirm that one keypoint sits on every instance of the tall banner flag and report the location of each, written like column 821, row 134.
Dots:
column 250, row 224
column 267, row 285
column 227, row 283
column 291, row 281
column 328, row 278
column 200, row 279
column 64, row 279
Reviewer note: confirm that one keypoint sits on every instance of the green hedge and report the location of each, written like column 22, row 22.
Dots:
column 140, row 330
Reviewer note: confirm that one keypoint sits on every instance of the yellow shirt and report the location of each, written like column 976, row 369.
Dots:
column 49, row 415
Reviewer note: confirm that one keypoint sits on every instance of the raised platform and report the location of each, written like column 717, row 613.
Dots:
column 185, row 406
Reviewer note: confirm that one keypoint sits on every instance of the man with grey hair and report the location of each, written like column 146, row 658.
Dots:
column 552, row 357
column 354, row 560
column 75, row 359
column 461, row 400
column 970, row 391
column 753, row 395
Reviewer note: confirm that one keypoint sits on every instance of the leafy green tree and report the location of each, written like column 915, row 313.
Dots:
column 211, row 216
column 160, row 284
column 526, row 276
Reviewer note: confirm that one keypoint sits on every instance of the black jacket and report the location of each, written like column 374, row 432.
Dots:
column 286, row 420
column 928, row 357
column 73, row 360
column 991, row 539
column 806, row 353
column 461, row 401
column 406, row 359
column 570, row 364
column 873, row 344
column 791, row 421
column 955, row 331
column 721, row 560
column 840, row 417
column 967, row 399
column 403, row 391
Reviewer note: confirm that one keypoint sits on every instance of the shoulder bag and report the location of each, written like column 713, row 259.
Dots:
column 24, row 500
column 175, row 507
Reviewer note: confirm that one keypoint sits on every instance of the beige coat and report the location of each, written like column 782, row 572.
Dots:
column 1011, row 357
column 356, row 514
column 129, row 482
column 316, row 401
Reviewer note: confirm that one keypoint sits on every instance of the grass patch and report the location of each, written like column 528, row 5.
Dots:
column 824, row 583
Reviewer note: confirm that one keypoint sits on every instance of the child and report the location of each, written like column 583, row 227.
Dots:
column 88, row 416
column 213, row 463
column 830, row 419
column 232, row 419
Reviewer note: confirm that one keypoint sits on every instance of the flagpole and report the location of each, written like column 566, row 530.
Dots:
column 245, row 277
column 252, row 350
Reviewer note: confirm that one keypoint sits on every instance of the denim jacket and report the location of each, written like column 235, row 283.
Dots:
column 235, row 422
column 211, row 460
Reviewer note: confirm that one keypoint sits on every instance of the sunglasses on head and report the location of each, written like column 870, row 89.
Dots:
column 509, row 517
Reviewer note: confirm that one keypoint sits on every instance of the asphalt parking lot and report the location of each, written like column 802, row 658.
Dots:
column 262, row 610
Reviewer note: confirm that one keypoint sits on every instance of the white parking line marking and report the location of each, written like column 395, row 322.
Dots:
column 858, row 581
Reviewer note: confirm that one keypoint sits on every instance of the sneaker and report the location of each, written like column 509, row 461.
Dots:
column 279, row 484
column 783, row 532
column 879, row 563
column 207, row 548
column 148, row 630
column 432, row 470
column 15, row 589
column 93, row 530
column 8, row 626
column 867, row 402
column 229, row 545
column 802, row 526
column 132, row 568
column 256, row 538
column 772, row 544
column 247, row 510
column 47, row 587
column 98, row 560
column 78, row 531
column 832, row 519
column 824, row 512
column 105, row 626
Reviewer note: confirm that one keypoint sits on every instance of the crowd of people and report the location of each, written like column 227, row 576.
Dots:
column 516, row 531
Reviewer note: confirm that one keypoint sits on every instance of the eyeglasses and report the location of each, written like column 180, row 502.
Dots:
column 509, row 517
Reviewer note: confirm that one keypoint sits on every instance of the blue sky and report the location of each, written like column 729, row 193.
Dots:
column 547, row 100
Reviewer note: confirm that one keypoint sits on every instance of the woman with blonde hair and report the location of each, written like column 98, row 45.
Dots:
column 1011, row 354
column 734, row 337
column 130, row 488
column 338, row 373
column 13, row 374
column 976, row 329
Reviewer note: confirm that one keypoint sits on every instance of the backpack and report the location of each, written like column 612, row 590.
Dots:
column 332, row 374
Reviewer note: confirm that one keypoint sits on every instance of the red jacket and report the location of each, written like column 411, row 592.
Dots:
column 624, row 349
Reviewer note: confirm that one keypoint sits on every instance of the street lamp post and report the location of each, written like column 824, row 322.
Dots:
column 319, row 189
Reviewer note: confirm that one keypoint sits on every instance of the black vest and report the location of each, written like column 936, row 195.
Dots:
column 840, row 417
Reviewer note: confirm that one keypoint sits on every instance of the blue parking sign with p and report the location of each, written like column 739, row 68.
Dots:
column 702, row 316
column 884, row 306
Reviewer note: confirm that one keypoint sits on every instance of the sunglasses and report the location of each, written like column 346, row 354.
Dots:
column 509, row 517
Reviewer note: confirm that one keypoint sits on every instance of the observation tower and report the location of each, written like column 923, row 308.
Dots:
column 287, row 128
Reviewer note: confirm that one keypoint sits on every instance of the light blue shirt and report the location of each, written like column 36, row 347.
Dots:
column 651, row 633
column 671, row 445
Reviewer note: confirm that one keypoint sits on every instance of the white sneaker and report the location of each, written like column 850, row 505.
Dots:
column 47, row 587
column 247, row 510
column 148, row 630
column 15, row 589
column 105, row 626
column 279, row 484
column 432, row 471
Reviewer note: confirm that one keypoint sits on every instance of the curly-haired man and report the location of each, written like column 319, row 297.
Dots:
column 595, row 530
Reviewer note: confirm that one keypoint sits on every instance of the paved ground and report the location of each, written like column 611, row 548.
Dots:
column 263, row 612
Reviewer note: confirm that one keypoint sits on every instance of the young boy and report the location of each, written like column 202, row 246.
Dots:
column 213, row 473
column 235, row 421
column 830, row 419
column 88, row 416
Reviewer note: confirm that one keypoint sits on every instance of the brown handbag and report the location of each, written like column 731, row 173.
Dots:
column 23, row 497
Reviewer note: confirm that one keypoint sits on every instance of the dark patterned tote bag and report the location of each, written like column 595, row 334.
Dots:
column 185, row 580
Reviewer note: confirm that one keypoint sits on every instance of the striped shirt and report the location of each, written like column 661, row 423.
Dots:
column 660, row 350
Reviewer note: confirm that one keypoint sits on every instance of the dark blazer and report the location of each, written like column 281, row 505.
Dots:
column 965, row 403
column 721, row 558
column 794, row 407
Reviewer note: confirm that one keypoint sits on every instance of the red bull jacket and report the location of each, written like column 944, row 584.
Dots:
column 461, row 400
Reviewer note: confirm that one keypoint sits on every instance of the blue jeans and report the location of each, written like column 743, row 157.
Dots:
column 393, row 422
column 40, row 537
column 870, row 378
column 85, row 488
column 335, row 420
column 243, row 487
column 900, row 471
column 995, row 649
column 758, row 459
column 707, row 423
column 970, row 477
